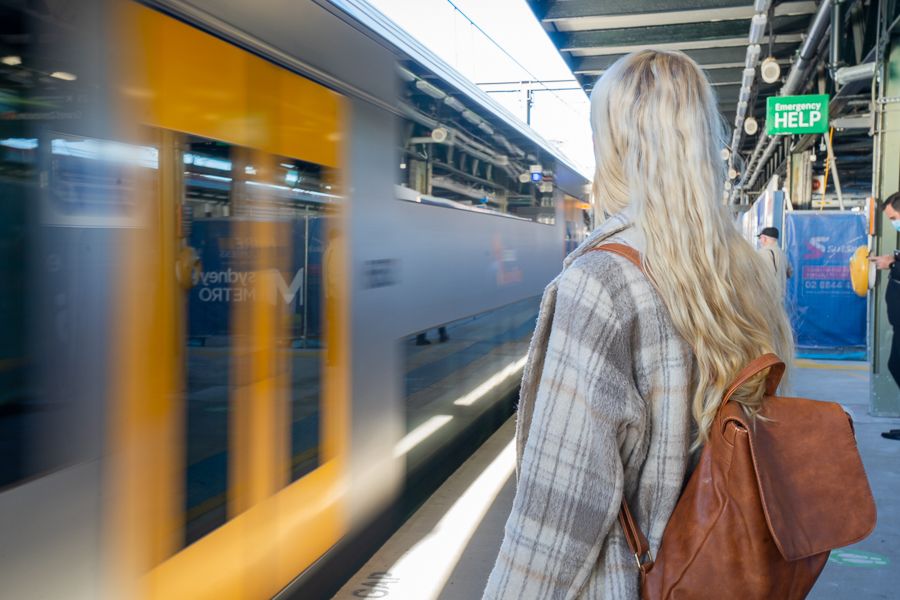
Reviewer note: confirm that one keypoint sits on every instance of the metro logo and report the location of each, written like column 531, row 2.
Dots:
column 239, row 286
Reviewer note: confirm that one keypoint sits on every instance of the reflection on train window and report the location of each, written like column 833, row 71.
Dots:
column 454, row 154
column 578, row 219
column 17, row 183
column 38, row 294
column 457, row 371
column 95, row 179
column 258, row 225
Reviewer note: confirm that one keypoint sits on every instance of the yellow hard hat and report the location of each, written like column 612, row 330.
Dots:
column 861, row 271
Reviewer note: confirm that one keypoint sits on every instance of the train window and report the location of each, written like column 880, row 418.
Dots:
column 42, row 274
column 207, row 224
column 458, row 371
column 17, row 182
column 259, row 227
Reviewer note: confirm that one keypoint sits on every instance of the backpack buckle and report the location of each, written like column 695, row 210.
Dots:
column 644, row 565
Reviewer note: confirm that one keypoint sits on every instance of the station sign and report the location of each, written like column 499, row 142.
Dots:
column 797, row 114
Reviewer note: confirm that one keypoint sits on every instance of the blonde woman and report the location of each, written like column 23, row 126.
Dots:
column 626, row 369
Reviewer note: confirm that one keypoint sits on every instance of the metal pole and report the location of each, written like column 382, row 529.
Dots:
column 834, row 170
column 305, row 295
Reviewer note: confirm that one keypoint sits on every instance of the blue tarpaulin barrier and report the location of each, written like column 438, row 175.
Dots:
column 828, row 318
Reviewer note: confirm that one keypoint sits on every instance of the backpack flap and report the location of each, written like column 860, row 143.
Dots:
column 812, row 483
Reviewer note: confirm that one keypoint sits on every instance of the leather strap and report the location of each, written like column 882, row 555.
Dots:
column 634, row 537
column 623, row 250
column 766, row 361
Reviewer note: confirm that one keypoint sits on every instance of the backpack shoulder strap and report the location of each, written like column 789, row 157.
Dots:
column 622, row 250
column 637, row 541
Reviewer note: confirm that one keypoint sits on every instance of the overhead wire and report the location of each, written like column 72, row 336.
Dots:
column 490, row 38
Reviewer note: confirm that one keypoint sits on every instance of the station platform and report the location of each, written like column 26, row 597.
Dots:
column 446, row 550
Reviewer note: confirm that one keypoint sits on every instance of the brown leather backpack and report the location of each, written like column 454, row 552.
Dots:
column 767, row 502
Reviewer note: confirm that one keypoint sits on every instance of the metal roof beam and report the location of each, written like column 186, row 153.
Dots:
column 679, row 33
column 579, row 15
column 575, row 9
column 705, row 57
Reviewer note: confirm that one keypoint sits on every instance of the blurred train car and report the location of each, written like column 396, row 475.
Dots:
column 268, row 270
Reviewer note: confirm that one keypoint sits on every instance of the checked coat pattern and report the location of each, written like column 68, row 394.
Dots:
column 604, row 410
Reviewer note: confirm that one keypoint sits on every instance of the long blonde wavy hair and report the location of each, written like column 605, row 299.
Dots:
column 658, row 138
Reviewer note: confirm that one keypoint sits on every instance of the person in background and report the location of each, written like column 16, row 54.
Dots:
column 774, row 257
column 891, row 208
column 422, row 338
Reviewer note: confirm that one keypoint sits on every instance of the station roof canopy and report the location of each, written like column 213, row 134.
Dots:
column 592, row 34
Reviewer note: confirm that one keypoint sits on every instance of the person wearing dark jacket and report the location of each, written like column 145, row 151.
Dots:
column 891, row 262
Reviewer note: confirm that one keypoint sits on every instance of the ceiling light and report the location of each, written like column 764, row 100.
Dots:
column 454, row 103
column 747, row 79
column 757, row 28
column 770, row 70
column 471, row 117
column 429, row 89
column 751, row 126
column 406, row 75
column 65, row 76
column 11, row 61
column 753, row 51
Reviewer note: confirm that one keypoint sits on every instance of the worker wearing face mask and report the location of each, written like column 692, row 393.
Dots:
column 891, row 208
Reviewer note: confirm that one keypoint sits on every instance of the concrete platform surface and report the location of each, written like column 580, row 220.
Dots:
column 447, row 549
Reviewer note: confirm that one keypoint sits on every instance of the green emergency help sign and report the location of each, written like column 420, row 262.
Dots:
column 797, row 114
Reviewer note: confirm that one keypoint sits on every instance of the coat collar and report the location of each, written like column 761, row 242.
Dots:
column 619, row 223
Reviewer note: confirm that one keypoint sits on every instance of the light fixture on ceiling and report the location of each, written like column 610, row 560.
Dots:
column 751, row 126
column 11, row 60
column 757, row 28
column 454, row 103
column 439, row 135
column 471, row 117
column 770, row 70
column 732, row 173
column 430, row 90
column 747, row 79
column 725, row 153
column 64, row 75
column 753, row 51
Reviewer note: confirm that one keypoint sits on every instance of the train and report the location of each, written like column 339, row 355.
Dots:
column 268, row 271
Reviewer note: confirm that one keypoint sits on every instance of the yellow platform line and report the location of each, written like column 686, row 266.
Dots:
column 803, row 363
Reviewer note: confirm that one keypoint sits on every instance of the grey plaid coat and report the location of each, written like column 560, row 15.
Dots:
column 604, row 408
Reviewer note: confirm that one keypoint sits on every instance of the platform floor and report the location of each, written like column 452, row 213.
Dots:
column 446, row 550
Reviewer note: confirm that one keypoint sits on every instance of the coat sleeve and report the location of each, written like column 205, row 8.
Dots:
column 571, row 478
